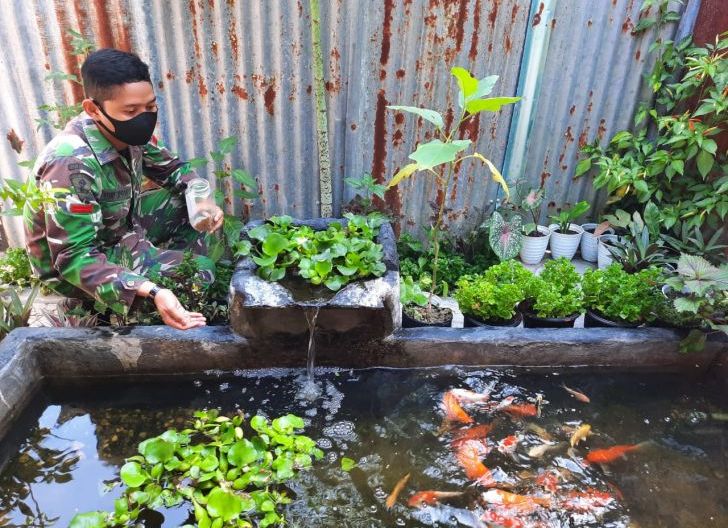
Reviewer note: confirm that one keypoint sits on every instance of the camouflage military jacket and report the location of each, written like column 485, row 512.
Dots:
column 66, row 245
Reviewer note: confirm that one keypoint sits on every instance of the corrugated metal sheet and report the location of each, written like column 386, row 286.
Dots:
column 244, row 68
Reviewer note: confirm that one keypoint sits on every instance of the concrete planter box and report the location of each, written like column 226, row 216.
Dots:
column 268, row 312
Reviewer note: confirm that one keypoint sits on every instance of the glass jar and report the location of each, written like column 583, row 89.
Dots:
column 200, row 204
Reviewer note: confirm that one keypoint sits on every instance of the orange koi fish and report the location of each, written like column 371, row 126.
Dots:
column 468, row 396
column 396, row 491
column 505, row 519
column 430, row 498
column 521, row 409
column 610, row 454
column 508, row 445
column 453, row 411
column 586, row 501
column 477, row 432
column 497, row 496
column 580, row 396
column 468, row 455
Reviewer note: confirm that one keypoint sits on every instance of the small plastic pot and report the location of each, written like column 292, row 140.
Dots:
column 604, row 256
column 533, row 248
column 565, row 244
column 593, row 319
column 589, row 243
column 474, row 322
column 411, row 322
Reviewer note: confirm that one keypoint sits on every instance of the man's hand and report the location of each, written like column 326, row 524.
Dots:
column 217, row 219
column 170, row 309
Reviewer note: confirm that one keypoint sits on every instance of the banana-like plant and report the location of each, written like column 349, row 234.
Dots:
column 440, row 156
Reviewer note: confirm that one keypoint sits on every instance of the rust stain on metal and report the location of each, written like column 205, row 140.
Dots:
column 589, row 23
column 544, row 176
column 380, row 137
column 507, row 43
column 627, row 25
column 353, row 126
column 201, row 86
column 15, row 142
column 160, row 85
column 386, row 33
column 471, row 128
column 638, row 55
column 189, row 75
column 308, row 89
column 213, row 48
column 572, row 109
column 460, row 24
column 382, row 74
column 400, row 73
column 569, row 135
column 493, row 15
column 490, row 47
column 269, row 97
column 553, row 23
column 69, row 59
column 334, row 84
column 220, row 87
column 473, row 53
column 240, row 92
column 397, row 138
column 602, row 128
column 583, row 137
column 195, row 36
column 170, row 76
column 233, row 38
column 537, row 16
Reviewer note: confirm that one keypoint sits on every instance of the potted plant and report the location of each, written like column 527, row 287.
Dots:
column 605, row 245
column 565, row 235
column 553, row 299
column 414, row 302
column 615, row 298
column 590, row 239
column 440, row 156
column 535, row 237
column 491, row 299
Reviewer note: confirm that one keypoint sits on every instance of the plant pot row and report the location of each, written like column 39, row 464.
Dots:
column 593, row 247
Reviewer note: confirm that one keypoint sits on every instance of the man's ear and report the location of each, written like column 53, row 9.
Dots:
column 91, row 109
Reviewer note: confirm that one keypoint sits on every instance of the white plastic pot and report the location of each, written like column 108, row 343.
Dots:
column 534, row 248
column 565, row 244
column 588, row 246
column 604, row 256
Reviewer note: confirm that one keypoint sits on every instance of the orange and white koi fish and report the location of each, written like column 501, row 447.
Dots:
column 454, row 413
column 468, row 396
column 504, row 519
column 430, row 498
column 498, row 496
column 477, row 432
column 580, row 434
column 396, row 491
column 586, row 501
column 548, row 480
column 468, row 455
column 580, row 396
column 610, row 454
column 508, row 445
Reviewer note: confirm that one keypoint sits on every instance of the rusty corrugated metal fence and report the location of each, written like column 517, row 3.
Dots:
column 245, row 68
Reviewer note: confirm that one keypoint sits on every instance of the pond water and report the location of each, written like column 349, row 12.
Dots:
column 74, row 439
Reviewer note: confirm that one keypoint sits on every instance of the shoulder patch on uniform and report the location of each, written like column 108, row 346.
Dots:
column 77, row 167
column 115, row 195
column 83, row 185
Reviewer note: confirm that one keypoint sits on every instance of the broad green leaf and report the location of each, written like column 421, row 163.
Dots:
column 491, row 104
column 195, row 163
column 89, row 520
column 334, row 283
column 347, row 464
column 323, row 267
column 258, row 423
column 242, row 453
column 583, row 167
column 705, row 161
column 132, row 474
column 156, row 450
column 434, row 153
column 468, row 84
column 259, row 233
column 684, row 304
column 227, row 144
column 404, row 172
column 224, row 505
column 274, row 243
column 430, row 115
column 287, row 423
column 243, row 177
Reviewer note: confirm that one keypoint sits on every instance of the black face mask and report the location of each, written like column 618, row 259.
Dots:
column 135, row 131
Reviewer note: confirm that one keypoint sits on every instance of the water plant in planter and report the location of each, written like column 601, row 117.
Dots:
column 414, row 302
column 566, row 235
column 440, row 156
column 535, row 237
column 615, row 298
column 229, row 473
column 491, row 299
column 554, row 298
column 332, row 257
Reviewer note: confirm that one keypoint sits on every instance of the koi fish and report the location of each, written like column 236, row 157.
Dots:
column 586, row 501
column 548, row 480
column 580, row 434
column 610, row 454
column 498, row 496
column 477, row 432
column 502, row 519
column 508, row 445
column 540, row 450
column 468, row 455
column 521, row 409
column 468, row 396
column 396, row 491
column 453, row 411
column 580, row 396
column 538, row 430
column 430, row 498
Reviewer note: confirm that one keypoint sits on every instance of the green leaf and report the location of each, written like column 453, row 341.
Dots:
column 156, row 450
column 323, row 267
column 242, row 453
column 274, row 243
column 491, row 104
column 334, row 283
column 429, row 115
column 244, row 178
column 404, row 172
column 89, row 520
column 227, row 144
column 434, row 153
column 583, row 167
column 259, row 233
column 705, row 161
column 468, row 84
column 224, row 505
column 196, row 163
column 347, row 464
column 684, row 304
column 133, row 475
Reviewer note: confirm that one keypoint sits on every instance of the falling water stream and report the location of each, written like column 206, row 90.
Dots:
column 311, row 316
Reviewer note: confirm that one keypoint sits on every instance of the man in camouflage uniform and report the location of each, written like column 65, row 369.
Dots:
column 101, row 240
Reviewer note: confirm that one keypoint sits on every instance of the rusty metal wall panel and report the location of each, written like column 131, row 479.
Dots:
column 244, row 68
column 590, row 88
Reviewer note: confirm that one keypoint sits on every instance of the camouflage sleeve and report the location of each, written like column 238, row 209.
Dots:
column 72, row 234
column 164, row 168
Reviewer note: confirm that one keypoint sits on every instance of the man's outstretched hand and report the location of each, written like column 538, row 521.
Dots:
column 174, row 314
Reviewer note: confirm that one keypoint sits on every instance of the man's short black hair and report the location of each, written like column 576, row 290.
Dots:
column 106, row 69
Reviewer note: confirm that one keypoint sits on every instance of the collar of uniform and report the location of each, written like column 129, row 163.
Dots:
column 102, row 148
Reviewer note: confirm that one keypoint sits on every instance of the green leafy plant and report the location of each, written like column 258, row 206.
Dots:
column 367, row 189
column 15, row 268
column 531, row 205
column 566, row 217
column 332, row 257
column 441, row 155
column 641, row 246
column 557, row 291
column 493, row 295
column 411, row 293
column 31, row 194
column 231, row 474
column 14, row 313
column 505, row 235
column 621, row 296
column 76, row 317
